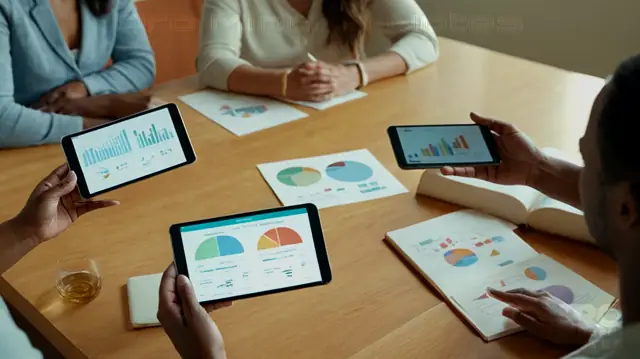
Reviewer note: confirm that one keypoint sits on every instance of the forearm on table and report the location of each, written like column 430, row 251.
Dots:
column 255, row 81
column 14, row 244
column 384, row 66
column 558, row 179
column 21, row 126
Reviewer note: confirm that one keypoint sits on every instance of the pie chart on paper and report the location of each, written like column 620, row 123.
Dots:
column 349, row 171
column 461, row 257
column 278, row 237
column 299, row 176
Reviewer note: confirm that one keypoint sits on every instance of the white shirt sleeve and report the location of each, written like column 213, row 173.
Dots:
column 14, row 343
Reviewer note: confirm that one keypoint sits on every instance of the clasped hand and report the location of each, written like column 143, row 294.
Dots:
column 320, row 81
column 73, row 99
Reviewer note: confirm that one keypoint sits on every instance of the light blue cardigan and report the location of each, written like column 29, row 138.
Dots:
column 35, row 59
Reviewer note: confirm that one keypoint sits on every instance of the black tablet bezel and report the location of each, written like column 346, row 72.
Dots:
column 318, row 239
column 398, row 151
column 181, row 132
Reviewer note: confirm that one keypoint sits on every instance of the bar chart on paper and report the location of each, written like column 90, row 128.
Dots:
column 154, row 136
column 114, row 147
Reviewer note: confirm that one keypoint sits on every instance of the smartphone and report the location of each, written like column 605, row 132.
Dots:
column 128, row 150
column 434, row 146
column 252, row 254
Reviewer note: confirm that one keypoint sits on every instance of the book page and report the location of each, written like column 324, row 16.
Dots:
column 539, row 273
column 460, row 248
column 559, row 218
column 512, row 203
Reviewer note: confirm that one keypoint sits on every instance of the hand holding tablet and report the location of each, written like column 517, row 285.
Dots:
column 128, row 150
column 252, row 254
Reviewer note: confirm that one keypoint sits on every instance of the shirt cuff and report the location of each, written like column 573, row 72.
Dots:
column 414, row 54
column 64, row 125
column 96, row 85
column 216, row 74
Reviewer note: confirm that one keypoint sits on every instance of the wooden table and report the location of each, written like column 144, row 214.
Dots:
column 376, row 307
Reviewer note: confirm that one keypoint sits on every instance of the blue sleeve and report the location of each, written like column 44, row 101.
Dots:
column 19, row 125
column 133, row 67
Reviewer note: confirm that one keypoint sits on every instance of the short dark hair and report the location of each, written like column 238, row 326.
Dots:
column 99, row 7
column 619, row 126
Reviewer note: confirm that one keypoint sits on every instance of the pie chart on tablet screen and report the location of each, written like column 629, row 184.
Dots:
column 278, row 237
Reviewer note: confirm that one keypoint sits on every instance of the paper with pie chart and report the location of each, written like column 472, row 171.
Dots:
column 537, row 274
column 241, row 114
column 461, row 246
column 331, row 180
column 463, row 253
column 245, row 255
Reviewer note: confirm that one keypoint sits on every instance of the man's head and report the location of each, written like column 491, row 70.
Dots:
column 610, row 183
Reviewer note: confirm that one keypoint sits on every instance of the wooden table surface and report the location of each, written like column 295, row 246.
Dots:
column 376, row 307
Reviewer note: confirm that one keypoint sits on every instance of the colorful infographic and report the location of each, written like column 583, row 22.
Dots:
column 218, row 246
column 299, row 176
column 330, row 180
column 277, row 237
column 349, row 171
column 241, row 114
column 461, row 257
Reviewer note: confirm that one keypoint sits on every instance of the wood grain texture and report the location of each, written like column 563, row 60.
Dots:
column 376, row 307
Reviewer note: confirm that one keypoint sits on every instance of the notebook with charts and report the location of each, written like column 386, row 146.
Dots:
column 463, row 253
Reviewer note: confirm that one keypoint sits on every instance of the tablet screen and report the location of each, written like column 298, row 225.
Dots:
column 444, row 144
column 128, row 150
column 246, row 255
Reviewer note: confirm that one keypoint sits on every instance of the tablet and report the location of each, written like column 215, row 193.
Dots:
column 434, row 146
column 252, row 254
column 128, row 150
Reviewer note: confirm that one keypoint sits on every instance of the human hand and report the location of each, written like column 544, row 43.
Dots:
column 53, row 206
column 191, row 330
column 545, row 316
column 320, row 81
column 112, row 106
column 71, row 90
column 519, row 155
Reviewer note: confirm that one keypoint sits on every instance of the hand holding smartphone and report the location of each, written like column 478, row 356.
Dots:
column 435, row 146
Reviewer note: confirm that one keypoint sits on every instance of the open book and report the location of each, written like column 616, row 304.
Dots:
column 517, row 204
column 463, row 253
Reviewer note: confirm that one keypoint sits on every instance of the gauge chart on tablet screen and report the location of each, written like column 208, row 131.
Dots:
column 278, row 237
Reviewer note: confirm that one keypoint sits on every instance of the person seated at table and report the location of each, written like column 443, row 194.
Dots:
column 53, row 55
column 607, row 188
column 53, row 206
column 269, row 47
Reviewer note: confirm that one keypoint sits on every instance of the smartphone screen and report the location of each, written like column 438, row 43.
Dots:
column 435, row 146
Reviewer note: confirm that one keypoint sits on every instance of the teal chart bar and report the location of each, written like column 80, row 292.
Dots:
column 152, row 136
column 114, row 147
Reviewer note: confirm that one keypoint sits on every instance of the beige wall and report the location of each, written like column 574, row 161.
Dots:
column 589, row 36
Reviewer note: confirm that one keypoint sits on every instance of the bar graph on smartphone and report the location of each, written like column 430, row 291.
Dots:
column 114, row 147
column 443, row 148
column 154, row 136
